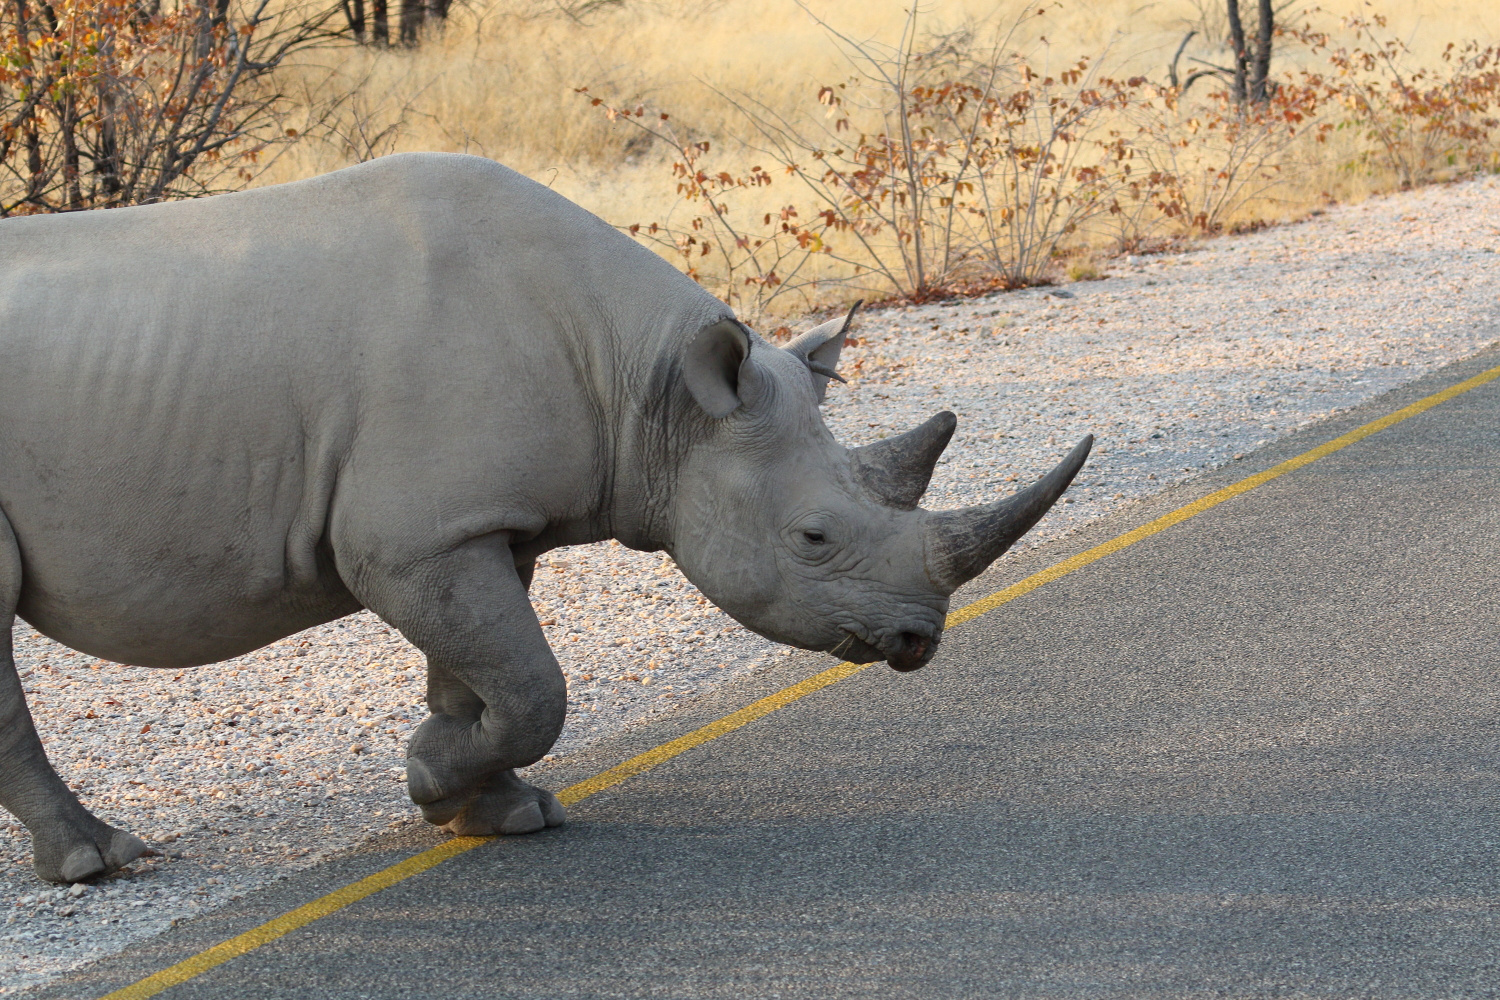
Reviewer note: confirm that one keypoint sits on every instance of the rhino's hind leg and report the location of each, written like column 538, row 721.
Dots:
column 69, row 844
column 100, row 851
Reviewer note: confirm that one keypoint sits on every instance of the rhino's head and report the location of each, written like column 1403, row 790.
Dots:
column 813, row 544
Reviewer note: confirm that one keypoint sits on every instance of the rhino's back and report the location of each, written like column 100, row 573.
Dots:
column 182, row 386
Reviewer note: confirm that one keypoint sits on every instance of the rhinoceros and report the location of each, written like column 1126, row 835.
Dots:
column 392, row 387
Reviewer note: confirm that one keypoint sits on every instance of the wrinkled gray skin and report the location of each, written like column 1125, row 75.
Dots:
column 392, row 387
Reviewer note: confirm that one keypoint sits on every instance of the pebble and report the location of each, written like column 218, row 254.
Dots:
column 256, row 768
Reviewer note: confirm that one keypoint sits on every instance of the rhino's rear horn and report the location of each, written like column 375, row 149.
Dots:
column 962, row 543
column 819, row 350
column 897, row 470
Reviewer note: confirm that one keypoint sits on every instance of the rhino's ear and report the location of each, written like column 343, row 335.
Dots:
column 713, row 366
column 819, row 349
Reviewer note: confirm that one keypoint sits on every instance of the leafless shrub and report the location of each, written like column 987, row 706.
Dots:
column 118, row 102
column 362, row 118
column 1417, row 121
column 754, row 258
column 937, row 164
column 1220, row 156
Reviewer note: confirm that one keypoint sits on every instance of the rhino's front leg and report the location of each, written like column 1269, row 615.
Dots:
column 496, row 693
column 502, row 803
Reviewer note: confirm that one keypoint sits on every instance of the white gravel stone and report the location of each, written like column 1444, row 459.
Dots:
column 245, row 772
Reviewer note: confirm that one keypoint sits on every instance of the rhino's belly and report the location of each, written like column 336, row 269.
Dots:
column 188, row 622
column 146, row 561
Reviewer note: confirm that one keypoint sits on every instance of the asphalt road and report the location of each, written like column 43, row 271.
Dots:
column 1253, row 755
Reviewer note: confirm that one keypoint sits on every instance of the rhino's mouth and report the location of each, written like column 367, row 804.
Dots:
column 905, row 652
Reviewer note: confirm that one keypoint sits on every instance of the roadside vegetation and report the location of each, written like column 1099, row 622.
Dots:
column 786, row 155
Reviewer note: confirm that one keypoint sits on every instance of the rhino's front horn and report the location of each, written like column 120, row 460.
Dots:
column 962, row 543
column 897, row 470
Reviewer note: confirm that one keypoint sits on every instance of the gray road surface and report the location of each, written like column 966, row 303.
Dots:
column 1255, row 755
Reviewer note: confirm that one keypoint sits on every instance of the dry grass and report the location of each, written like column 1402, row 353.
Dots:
column 500, row 82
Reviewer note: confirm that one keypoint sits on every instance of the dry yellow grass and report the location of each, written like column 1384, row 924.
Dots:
column 500, row 82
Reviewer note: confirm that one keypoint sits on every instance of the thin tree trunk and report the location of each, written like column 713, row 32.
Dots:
column 34, row 164
column 437, row 11
column 33, row 138
column 71, row 189
column 411, row 22
column 354, row 13
column 1261, row 72
column 380, row 23
column 107, row 164
column 205, row 29
column 1237, row 41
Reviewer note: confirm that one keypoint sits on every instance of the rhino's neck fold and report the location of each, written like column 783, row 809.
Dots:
column 656, row 422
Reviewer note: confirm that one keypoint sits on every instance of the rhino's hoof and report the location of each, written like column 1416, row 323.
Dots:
column 528, row 817
column 440, row 813
column 81, row 864
column 85, row 862
column 420, row 783
column 552, row 810
column 123, row 849
column 506, row 805
column 524, row 818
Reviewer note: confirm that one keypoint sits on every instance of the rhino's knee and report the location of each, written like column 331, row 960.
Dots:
column 450, row 753
column 522, row 728
column 522, row 739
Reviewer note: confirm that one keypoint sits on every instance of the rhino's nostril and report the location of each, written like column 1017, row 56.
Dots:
column 911, row 653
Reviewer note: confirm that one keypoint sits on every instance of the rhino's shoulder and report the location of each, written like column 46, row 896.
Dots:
column 434, row 188
column 473, row 223
column 438, row 182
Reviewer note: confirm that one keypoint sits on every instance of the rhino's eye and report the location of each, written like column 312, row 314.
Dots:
column 814, row 539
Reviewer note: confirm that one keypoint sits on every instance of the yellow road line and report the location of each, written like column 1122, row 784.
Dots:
column 340, row 898
column 300, row 917
column 712, row 731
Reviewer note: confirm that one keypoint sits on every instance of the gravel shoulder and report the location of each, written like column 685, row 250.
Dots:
column 251, row 770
